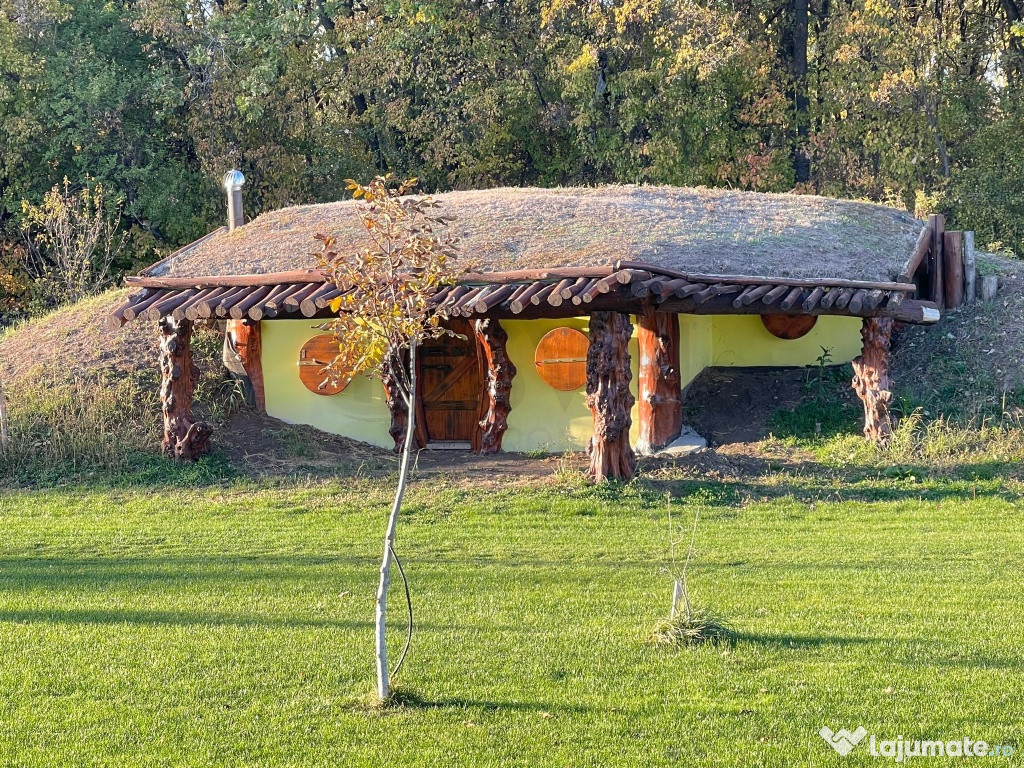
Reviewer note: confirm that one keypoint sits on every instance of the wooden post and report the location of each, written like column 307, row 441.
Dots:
column 661, row 398
column 937, row 289
column 399, row 412
column 953, row 267
column 497, row 374
column 184, row 439
column 609, row 398
column 989, row 287
column 871, row 378
column 248, row 342
column 970, row 269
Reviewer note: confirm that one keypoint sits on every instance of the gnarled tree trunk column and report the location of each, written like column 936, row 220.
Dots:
column 498, row 372
column 248, row 343
column 609, row 398
column 395, row 401
column 661, row 398
column 871, row 378
column 184, row 439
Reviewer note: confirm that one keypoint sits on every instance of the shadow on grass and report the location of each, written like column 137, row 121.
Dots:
column 173, row 618
column 409, row 699
column 801, row 642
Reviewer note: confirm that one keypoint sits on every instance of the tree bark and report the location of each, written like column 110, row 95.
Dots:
column 871, row 378
column 661, row 398
column 248, row 343
column 801, row 160
column 609, row 398
column 399, row 408
column 498, row 374
column 184, row 439
column 383, row 674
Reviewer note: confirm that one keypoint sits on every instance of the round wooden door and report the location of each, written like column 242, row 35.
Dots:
column 561, row 359
column 314, row 357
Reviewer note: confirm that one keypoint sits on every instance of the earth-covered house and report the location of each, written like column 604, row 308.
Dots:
column 584, row 312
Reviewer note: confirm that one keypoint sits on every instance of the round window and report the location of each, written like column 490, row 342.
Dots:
column 789, row 326
column 561, row 358
column 314, row 357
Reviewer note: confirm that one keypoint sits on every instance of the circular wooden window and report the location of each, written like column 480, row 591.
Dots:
column 789, row 326
column 315, row 355
column 561, row 358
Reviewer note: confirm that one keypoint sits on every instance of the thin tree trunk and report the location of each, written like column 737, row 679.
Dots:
column 383, row 677
column 5, row 438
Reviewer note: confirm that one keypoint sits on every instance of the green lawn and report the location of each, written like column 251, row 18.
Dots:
column 231, row 625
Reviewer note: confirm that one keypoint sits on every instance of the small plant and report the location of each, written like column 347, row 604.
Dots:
column 687, row 623
column 821, row 378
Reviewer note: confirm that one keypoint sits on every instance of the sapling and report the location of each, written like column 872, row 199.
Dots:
column 688, row 623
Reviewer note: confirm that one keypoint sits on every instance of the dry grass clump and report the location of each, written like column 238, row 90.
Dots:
column 697, row 626
column 691, row 229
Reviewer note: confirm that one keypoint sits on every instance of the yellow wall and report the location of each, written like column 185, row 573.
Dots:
column 542, row 418
column 358, row 411
column 696, row 345
column 743, row 340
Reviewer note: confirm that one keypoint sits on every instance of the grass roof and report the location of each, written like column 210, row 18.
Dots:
column 711, row 231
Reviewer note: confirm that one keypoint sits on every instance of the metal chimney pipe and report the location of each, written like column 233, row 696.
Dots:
column 233, row 181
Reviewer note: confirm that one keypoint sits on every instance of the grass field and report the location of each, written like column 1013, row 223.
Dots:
column 231, row 624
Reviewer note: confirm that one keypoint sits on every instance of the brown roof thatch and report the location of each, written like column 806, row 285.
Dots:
column 699, row 230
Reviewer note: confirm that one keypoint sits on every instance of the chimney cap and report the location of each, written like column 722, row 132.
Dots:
column 233, row 180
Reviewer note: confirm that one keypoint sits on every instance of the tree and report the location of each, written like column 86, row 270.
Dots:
column 385, row 314
column 73, row 239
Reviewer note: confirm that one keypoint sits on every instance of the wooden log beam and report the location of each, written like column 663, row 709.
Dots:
column 825, row 282
column 498, row 372
column 920, row 252
column 228, row 300
column 609, row 398
column 812, row 301
column 184, row 439
column 659, row 381
column 791, row 298
column 953, row 268
column 293, row 302
column 248, row 301
column 229, row 281
column 774, row 294
column 871, row 378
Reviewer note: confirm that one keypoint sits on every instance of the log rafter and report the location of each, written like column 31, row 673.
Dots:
column 539, row 293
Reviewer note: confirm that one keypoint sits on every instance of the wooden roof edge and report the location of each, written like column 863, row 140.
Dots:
column 802, row 282
column 622, row 268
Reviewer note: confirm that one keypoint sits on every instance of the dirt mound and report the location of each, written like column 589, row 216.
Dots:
column 971, row 364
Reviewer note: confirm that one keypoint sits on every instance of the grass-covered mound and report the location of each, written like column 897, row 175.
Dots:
column 81, row 397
